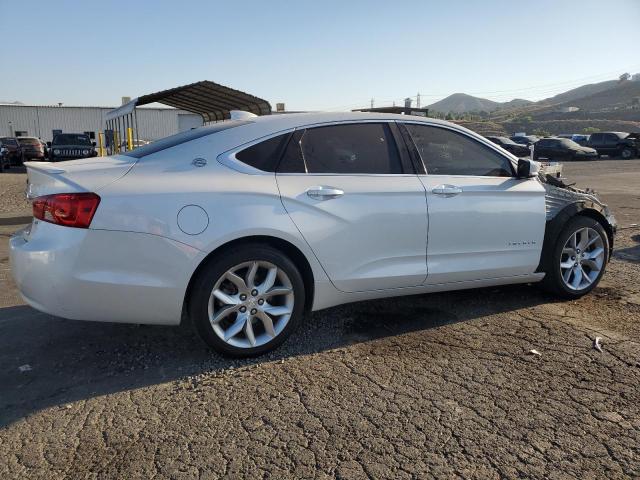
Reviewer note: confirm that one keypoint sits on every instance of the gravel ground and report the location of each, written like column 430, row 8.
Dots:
column 12, row 187
column 427, row 386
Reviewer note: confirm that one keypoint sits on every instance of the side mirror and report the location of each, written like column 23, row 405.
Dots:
column 528, row 168
column 48, row 144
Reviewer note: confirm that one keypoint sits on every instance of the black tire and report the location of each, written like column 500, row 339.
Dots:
column 206, row 280
column 553, row 280
column 626, row 153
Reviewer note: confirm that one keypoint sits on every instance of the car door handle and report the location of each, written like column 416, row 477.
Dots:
column 447, row 190
column 324, row 193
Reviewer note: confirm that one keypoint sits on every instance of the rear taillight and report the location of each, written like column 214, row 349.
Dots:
column 68, row 209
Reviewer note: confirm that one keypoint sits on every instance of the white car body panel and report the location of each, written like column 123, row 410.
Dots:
column 494, row 228
column 384, row 237
column 388, row 214
column 110, row 276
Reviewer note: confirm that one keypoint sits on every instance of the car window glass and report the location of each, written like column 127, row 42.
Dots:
column 610, row 139
column 446, row 152
column 364, row 148
column 264, row 155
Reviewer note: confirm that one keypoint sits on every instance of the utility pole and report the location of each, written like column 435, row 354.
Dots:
column 418, row 100
column 372, row 103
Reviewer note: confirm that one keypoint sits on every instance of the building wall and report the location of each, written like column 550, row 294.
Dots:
column 40, row 121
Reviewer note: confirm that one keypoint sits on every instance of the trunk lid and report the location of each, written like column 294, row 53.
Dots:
column 83, row 175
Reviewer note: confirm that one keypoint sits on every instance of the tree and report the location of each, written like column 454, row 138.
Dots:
column 590, row 130
column 624, row 77
column 541, row 132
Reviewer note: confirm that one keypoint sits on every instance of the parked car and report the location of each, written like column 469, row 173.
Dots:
column 13, row 150
column 562, row 149
column 245, row 225
column 31, row 148
column 581, row 140
column 4, row 158
column 510, row 146
column 615, row 144
column 527, row 140
column 69, row 146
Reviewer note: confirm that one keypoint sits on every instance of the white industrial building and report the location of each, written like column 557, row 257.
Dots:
column 41, row 120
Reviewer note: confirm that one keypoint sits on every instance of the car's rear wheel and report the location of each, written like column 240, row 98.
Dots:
column 579, row 258
column 626, row 153
column 248, row 301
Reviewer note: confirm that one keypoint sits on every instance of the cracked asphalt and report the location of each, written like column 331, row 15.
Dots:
column 430, row 386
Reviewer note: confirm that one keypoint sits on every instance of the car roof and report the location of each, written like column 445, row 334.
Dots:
column 279, row 122
column 310, row 118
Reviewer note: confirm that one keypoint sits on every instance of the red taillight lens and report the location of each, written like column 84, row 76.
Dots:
column 68, row 209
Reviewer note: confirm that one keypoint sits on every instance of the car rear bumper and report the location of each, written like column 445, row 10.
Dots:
column 100, row 275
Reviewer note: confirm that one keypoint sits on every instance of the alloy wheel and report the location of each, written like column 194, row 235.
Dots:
column 250, row 304
column 582, row 258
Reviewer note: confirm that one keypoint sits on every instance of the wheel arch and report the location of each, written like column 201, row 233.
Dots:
column 284, row 246
column 555, row 225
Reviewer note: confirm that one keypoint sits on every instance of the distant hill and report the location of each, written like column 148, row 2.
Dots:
column 618, row 95
column 515, row 103
column 461, row 102
column 580, row 92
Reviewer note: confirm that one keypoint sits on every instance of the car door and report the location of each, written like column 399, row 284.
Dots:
column 357, row 202
column 483, row 222
column 596, row 141
column 610, row 144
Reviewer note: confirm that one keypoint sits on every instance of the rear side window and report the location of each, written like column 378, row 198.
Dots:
column 264, row 155
column 363, row 148
column 445, row 152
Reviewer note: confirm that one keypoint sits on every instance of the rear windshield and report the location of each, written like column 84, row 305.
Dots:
column 29, row 141
column 183, row 137
column 569, row 143
column 9, row 141
column 71, row 139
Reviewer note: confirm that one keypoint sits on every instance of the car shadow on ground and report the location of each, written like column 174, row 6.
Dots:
column 629, row 254
column 47, row 361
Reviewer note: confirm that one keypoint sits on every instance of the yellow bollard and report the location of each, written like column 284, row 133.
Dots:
column 101, row 144
column 116, row 142
column 129, row 138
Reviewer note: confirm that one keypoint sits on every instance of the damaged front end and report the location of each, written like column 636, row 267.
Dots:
column 562, row 202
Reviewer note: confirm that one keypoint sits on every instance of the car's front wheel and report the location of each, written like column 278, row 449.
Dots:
column 248, row 301
column 579, row 258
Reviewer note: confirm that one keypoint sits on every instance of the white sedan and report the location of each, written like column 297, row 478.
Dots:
column 245, row 225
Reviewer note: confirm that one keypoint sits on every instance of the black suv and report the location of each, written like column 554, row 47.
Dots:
column 562, row 149
column 510, row 146
column 13, row 152
column 615, row 144
column 70, row 146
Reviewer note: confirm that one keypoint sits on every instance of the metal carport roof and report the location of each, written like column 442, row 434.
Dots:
column 210, row 100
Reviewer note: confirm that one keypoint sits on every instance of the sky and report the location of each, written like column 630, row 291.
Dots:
column 314, row 55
